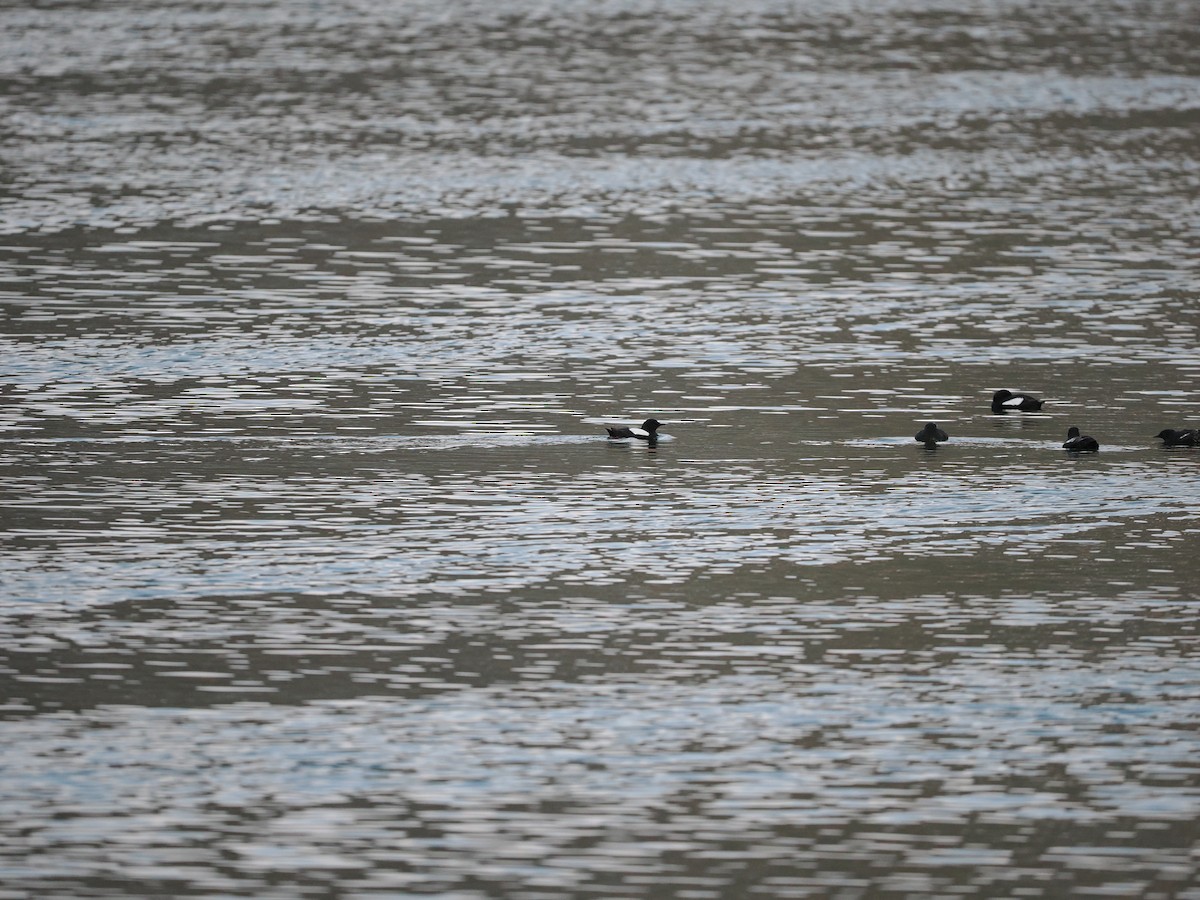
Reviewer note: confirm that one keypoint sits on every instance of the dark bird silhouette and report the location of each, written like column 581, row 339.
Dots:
column 931, row 435
column 648, row 431
column 1007, row 401
column 1170, row 438
column 1077, row 441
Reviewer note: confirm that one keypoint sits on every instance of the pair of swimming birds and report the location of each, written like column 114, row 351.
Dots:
column 931, row 435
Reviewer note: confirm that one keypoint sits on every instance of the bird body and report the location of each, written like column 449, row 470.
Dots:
column 1080, row 442
column 1171, row 438
column 931, row 434
column 648, row 431
column 1007, row 401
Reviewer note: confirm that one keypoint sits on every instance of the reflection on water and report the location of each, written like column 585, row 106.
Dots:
column 321, row 576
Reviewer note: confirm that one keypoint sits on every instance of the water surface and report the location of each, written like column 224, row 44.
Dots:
column 321, row 579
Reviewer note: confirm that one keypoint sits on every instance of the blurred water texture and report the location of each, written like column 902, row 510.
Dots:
column 320, row 578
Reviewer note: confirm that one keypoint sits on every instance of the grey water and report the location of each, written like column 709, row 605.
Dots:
column 319, row 577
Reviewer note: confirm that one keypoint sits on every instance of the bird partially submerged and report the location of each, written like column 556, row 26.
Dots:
column 1007, row 401
column 1076, row 441
column 931, row 435
column 1172, row 438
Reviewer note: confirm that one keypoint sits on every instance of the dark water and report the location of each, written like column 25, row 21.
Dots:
column 320, row 579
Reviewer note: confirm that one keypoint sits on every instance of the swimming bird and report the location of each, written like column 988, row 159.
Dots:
column 1077, row 441
column 1171, row 438
column 930, row 435
column 648, row 431
column 1005, row 401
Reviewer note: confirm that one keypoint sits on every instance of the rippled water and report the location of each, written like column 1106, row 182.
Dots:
column 321, row 579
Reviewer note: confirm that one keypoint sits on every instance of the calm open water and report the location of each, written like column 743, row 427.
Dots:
column 320, row 579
